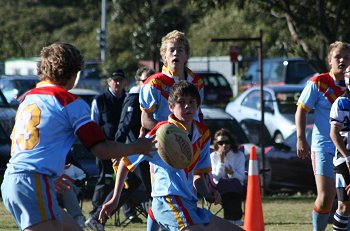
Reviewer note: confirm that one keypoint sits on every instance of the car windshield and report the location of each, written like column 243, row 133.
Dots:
column 216, row 124
column 286, row 101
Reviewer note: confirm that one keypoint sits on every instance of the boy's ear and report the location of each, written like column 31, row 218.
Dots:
column 171, row 108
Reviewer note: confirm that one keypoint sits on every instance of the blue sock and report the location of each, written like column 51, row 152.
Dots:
column 340, row 222
column 319, row 221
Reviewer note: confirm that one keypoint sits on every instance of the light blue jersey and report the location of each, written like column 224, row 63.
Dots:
column 319, row 94
column 155, row 91
column 45, row 130
column 177, row 182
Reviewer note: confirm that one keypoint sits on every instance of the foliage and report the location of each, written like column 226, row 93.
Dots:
column 135, row 28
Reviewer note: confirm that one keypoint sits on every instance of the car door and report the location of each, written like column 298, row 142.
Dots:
column 287, row 170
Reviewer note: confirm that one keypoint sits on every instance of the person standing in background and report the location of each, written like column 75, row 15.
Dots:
column 319, row 94
column 106, row 110
column 175, row 52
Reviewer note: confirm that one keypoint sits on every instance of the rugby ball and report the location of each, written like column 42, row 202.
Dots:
column 174, row 146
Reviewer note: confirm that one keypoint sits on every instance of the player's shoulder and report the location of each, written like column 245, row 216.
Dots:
column 159, row 80
column 63, row 96
column 322, row 78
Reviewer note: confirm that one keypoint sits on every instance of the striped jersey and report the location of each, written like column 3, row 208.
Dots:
column 179, row 182
column 155, row 91
column 319, row 94
column 340, row 116
column 47, row 121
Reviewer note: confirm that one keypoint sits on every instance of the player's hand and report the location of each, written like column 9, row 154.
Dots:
column 63, row 184
column 106, row 211
column 146, row 145
column 303, row 148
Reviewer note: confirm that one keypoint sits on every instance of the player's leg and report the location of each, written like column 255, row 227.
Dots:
column 341, row 215
column 324, row 177
column 31, row 199
column 68, row 223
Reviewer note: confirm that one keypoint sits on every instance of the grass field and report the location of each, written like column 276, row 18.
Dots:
column 287, row 213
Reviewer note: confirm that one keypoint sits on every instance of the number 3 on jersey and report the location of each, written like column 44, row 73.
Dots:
column 29, row 133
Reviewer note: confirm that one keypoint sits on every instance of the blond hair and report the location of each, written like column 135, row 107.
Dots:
column 337, row 45
column 174, row 36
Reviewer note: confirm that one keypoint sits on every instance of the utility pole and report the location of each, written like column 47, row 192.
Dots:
column 262, row 101
column 103, row 31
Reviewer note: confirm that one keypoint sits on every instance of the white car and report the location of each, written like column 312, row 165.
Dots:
column 279, row 117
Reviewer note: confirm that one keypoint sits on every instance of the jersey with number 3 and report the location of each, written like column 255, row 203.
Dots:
column 46, row 123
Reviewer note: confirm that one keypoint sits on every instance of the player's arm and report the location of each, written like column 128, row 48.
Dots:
column 338, row 140
column 105, row 149
column 303, row 148
column 147, row 120
column 111, row 205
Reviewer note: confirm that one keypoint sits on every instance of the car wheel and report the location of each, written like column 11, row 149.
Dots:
column 278, row 138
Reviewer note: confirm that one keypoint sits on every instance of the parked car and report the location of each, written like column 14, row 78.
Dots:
column 13, row 86
column 217, row 90
column 7, row 114
column 277, row 71
column 280, row 107
column 5, row 150
column 288, row 171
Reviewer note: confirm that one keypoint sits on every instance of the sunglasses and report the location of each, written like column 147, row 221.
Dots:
column 222, row 142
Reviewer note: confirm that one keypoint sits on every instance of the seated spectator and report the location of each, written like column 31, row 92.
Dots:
column 69, row 200
column 228, row 170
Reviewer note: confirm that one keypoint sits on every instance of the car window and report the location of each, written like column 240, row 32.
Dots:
column 252, row 100
column 286, row 102
column 268, row 101
column 297, row 71
column 276, row 72
column 230, row 124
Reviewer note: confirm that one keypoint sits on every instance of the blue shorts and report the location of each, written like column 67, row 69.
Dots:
column 175, row 213
column 322, row 163
column 30, row 198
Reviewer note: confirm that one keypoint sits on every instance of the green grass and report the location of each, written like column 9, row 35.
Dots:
column 287, row 213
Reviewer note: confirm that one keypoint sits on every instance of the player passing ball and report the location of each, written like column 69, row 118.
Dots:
column 174, row 190
column 47, row 122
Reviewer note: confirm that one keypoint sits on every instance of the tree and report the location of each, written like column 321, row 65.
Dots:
column 312, row 24
column 152, row 20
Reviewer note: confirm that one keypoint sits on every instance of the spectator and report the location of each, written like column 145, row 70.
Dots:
column 127, row 132
column 106, row 110
column 228, row 169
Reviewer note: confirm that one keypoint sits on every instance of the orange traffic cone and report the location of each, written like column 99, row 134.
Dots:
column 253, row 215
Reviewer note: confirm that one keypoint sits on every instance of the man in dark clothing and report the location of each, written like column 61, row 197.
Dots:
column 127, row 132
column 106, row 110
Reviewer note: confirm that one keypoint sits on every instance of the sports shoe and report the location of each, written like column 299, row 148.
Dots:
column 93, row 224
column 80, row 220
column 238, row 222
column 135, row 219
